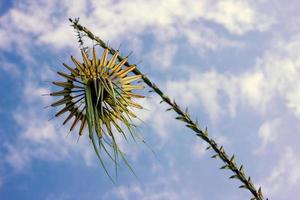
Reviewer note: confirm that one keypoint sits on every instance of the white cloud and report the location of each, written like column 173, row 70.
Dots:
column 222, row 140
column 39, row 138
column 162, row 188
column 237, row 16
column 280, row 69
column 60, row 37
column 16, row 158
column 199, row 149
column 273, row 81
column 284, row 176
column 8, row 67
column 206, row 38
column 251, row 87
column 200, row 89
column 268, row 130
column 162, row 56
column 5, row 43
column 156, row 118
column 46, row 22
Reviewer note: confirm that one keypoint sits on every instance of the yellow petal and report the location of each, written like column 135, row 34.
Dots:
column 103, row 60
column 73, row 71
column 132, row 87
column 66, row 76
column 117, row 67
column 61, row 93
column 130, row 94
column 124, row 72
column 86, row 60
column 79, row 66
column 95, row 59
column 65, row 100
column 131, row 78
column 133, row 104
column 113, row 59
column 63, row 84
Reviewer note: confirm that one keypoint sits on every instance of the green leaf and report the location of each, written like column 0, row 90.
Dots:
column 99, row 157
column 225, row 167
column 89, row 108
column 214, row 156
column 181, row 118
column 234, row 176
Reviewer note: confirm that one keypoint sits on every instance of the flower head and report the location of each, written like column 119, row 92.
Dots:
column 99, row 93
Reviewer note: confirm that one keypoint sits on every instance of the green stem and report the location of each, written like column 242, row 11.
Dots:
column 185, row 117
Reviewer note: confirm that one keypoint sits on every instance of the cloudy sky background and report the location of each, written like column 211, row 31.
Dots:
column 234, row 63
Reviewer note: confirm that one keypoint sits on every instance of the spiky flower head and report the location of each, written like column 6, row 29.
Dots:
column 99, row 93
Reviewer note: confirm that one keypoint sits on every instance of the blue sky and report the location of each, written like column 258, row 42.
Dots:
column 234, row 63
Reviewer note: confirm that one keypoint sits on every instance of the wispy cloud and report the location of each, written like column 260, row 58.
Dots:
column 200, row 89
column 161, row 189
column 237, row 16
column 274, row 80
column 46, row 22
column 268, row 131
column 285, row 174
column 9, row 67
column 39, row 138
column 161, row 57
column 199, row 149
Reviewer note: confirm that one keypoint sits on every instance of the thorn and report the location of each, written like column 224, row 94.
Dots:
column 130, row 53
column 259, row 191
column 77, row 139
column 241, row 168
column 68, row 134
column 221, row 149
column 232, row 158
column 120, row 45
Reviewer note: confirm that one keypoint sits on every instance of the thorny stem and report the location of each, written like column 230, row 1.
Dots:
column 184, row 116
